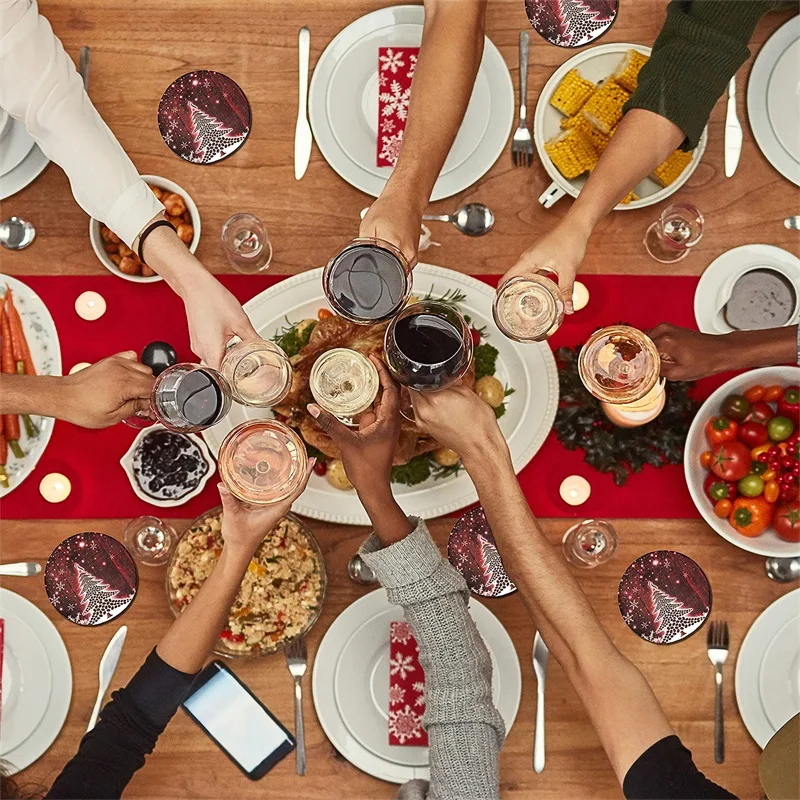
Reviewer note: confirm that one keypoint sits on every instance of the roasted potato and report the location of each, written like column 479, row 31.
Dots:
column 124, row 250
column 115, row 257
column 174, row 204
column 146, row 271
column 490, row 390
column 185, row 233
column 110, row 247
column 129, row 265
column 156, row 190
column 445, row 457
column 336, row 475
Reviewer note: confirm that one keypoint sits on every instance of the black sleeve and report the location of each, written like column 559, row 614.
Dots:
column 126, row 732
column 665, row 771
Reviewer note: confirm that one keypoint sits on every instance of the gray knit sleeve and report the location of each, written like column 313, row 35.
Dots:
column 465, row 730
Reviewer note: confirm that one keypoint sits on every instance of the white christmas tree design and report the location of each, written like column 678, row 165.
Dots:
column 212, row 139
column 99, row 601
column 671, row 617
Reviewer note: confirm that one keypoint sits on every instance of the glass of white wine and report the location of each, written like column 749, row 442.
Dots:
column 529, row 309
column 345, row 383
column 259, row 373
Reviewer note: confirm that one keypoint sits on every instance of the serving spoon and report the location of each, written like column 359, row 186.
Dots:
column 783, row 570
column 472, row 219
column 16, row 233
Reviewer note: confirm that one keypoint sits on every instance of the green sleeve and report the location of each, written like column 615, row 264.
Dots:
column 701, row 46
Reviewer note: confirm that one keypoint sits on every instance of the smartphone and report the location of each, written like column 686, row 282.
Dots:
column 237, row 721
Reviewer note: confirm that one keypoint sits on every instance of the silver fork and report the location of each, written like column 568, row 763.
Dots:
column 522, row 143
column 717, row 641
column 297, row 660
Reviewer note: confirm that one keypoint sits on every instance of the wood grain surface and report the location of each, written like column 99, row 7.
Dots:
column 137, row 50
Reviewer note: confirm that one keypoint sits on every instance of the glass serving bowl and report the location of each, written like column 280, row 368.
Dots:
column 221, row 648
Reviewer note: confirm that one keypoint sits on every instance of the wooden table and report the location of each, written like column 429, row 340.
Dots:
column 137, row 50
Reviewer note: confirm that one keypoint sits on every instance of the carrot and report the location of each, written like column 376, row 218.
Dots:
column 3, row 461
column 19, row 344
column 10, row 421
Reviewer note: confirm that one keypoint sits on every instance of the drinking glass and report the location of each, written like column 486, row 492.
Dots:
column 669, row 238
column 262, row 461
column 344, row 382
column 246, row 243
column 589, row 543
column 258, row 372
column 149, row 540
column 619, row 364
column 188, row 398
column 529, row 309
column 367, row 281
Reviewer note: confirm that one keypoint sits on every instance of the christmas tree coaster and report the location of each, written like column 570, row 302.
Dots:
column 90, row 578
column 664, row 597
column 472, row 551
column 571, row 23
column 204, row 116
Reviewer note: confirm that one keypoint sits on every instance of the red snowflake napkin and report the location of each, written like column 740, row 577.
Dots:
column 406, row 687
column 396, row 67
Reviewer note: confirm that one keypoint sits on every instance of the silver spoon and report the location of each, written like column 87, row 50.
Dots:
column 792, row 223
column 783, row 570
column 22, row 569
column 473, row 219
column 360, row 572
column 16, row 233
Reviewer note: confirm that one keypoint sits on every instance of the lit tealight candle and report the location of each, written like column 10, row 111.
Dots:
column 90, row 306
column 580, row 296
column 575, row 490
column 79, row 366
column 55, row 487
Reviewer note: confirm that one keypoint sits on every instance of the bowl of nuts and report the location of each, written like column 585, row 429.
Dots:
column 118, row 258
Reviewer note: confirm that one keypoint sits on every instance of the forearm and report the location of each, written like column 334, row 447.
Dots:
column 642, row 141
column 43, row 395
column 748, row 349
column 187, row 643
column 389, row 522
column 165, row 253
column 452, row 47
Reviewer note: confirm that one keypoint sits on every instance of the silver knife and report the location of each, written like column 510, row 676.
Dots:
column 108, row 663
column 22, row 569
column 540, row 654
column 302, row 131
column 733, row 132
column 85, row 61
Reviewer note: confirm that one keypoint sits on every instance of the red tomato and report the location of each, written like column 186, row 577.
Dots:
column 755, row 393
column 772, row 394
column 717, row 489
column 751, row 516
column 789, row 404
column 721, row 429
column 760, row 412
column 753, row 434
column 787, row 521
column 731, row 461
column 324, row 313
column 476, row 337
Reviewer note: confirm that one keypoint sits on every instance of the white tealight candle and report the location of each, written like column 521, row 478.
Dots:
column 79, row 366
column 90, row 306
column 580, row 296
column 55, row 487
column 575, row 490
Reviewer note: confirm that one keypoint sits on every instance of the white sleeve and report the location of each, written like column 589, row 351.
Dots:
column 40, row 87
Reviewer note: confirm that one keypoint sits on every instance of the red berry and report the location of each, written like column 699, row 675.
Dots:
column 796, row 469
column 787, row 461
column 791, row 449
column 763, row 458
column 321, row 467
column 476, row 337
column 775, row 451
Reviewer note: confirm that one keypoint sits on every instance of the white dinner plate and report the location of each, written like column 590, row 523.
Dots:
column 530, row 369
column 714, row 287
column 25, row 173
column 596, row 63
column 773, row 100
column 343, row 104
column 15, row 145
column 768, row 669
column 40, row 331
column 60, row 691
column 359, row 685
column 26, row 683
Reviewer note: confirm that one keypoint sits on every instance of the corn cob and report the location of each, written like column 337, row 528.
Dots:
column 571, row 93
column 571, row 153
column 604, row 108
column 668, row 172
column 627, row 73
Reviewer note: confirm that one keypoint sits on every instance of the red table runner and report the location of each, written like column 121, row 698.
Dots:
column 140, row 313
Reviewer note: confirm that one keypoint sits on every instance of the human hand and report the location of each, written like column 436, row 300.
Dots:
column 367, row 453
column 687, row 355
column 457, row 418
column 561, row 250
column 106, row 392
column 244, row 526
column 393, row 219
column 214, row 315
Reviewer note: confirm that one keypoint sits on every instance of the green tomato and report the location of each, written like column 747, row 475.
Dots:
column 758, row 467
column 735, row 406
column 780, row 428
column 751, row 486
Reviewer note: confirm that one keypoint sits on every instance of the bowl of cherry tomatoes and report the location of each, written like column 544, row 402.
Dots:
column 742, row 461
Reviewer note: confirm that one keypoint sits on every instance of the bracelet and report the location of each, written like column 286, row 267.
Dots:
column 147, row 231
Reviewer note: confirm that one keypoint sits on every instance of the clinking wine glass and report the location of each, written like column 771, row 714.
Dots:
column 345, row 383
column 529, row 309
column 367, row 281
column 427, row 347
column 679, row 228
column 186, row 398
column 259, row 373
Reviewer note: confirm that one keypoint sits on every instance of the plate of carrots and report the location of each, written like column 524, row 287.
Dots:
column 28, row 346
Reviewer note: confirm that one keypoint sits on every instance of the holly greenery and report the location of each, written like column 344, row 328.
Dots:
column 581, row 423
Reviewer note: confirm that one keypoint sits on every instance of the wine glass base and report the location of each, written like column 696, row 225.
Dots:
column 139, row 420
column 658, row 250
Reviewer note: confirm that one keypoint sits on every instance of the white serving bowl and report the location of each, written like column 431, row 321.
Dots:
column 127, row 464
column 97, row 241
column 769, row 543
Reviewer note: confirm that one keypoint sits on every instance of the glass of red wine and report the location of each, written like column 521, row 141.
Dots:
column 427, row 347
column 367, row 281
column 186, row 398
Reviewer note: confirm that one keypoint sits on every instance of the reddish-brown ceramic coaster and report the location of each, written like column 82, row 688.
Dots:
column 571, row 23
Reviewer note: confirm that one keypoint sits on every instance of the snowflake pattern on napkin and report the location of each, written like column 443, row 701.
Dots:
column 406, row 688
column 396, row 67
